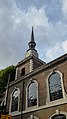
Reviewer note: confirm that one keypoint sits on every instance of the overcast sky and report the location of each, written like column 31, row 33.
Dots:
column 49, row 19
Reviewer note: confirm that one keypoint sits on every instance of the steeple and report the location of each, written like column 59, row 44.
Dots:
column 32, row 43
column 31, row 51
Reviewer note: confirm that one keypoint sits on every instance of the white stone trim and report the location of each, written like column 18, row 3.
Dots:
column 31, row 65
column 16, row 113
column 59, row 102
column 48, row 96
column 11, row 102
column 32, row 80
column 16, row 75
column 33, row 117
column 42, row 107
column 58, row 112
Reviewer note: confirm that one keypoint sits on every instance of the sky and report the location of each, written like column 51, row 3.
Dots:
column 49, row 19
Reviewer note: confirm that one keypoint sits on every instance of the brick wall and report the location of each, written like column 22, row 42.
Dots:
column 41, row 78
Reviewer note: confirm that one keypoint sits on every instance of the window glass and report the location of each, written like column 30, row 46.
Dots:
column 15, row 97
column 60, row 116
column 32, row 94
column 55, row 88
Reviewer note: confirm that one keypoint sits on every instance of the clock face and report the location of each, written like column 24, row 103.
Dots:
column 27, row 54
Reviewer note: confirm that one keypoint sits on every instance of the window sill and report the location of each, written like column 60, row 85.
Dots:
column 30, row 108
column 36, row 108
column 14, row 113
column 48, row 105
column 55, row 101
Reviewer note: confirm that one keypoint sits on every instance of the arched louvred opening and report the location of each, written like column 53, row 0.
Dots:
column 23, row 72
column 59, row 116
column 15, row 102
column 32, row 94
column 55, row 87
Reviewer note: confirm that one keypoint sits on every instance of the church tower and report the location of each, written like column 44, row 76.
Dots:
column 31, row 51
column 31, row 60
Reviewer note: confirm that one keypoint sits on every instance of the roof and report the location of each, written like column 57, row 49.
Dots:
column 28, row 58
column 44, row 67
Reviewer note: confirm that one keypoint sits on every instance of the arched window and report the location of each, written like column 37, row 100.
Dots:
column 59, row 116
column 23, row 72
column 15, row 98
column 32, row 94
column 55, row 87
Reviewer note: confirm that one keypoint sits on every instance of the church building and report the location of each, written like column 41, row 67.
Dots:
column 39, row 90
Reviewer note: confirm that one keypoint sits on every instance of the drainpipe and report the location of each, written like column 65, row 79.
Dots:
column 22, row 97
column 6, row 95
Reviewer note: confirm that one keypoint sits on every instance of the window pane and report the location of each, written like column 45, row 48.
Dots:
column 15, row 101
column 32, row 94
column 55, row 88
column 60, row 116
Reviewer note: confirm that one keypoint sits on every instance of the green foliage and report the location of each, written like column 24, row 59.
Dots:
column 4, row 78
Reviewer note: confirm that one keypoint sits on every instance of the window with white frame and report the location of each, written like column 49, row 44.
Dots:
column 55, row 86
column 15, row 100
column 32, row 94
column 59, row 116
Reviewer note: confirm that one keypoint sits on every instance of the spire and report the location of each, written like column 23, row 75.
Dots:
column 32, row 43
column 32, row 35
column 31, row 51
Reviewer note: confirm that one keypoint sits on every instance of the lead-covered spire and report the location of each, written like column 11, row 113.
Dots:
column 32, row 43
column 31, row 51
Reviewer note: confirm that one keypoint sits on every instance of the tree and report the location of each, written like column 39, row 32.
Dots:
column 4, row 78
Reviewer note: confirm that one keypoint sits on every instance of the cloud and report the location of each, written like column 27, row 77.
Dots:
column 36, row 17
column 64, row 45
column 64, row 9
column 10, row 33
column 64, row 6
column 53, row 10
column 53, row 52
column 15, row 28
